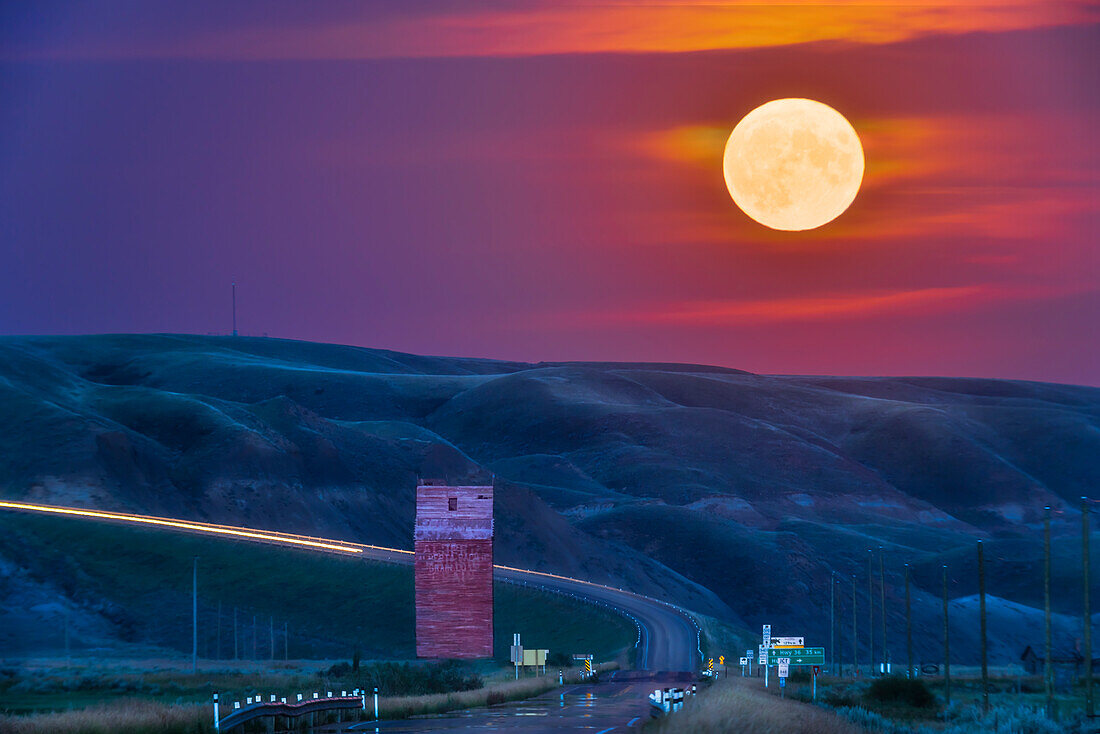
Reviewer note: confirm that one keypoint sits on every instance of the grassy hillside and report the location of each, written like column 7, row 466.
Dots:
column 737, row 495
column 118, row 583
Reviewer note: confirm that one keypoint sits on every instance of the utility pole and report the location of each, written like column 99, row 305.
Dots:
column 1048, row 677
column 832, row 622
column 234, row 308
column 67, row 656
column 254, row 654
column 218, row 651
column 236, row 649
column 272, row 637
column 946, row 647
column 855, row 632
column 871, row 607
column 1087, row 612
column 981, row 612
column 195, row 615
column 908, row 628
column 882, row 607
column 286, row 643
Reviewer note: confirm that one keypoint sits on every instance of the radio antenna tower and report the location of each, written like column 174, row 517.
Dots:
column 234, row 308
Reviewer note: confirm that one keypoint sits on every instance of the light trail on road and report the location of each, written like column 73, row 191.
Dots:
column 200, row 527
column 270, row 536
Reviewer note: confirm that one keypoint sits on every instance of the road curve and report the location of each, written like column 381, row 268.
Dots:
column 668, row 637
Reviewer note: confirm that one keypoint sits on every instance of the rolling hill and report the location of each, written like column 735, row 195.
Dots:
column 731, row 493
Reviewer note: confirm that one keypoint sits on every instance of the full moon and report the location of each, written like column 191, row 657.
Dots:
column 793, row 164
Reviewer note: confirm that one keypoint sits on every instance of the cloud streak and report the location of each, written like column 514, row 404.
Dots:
column 828, row 307
column 540, row 28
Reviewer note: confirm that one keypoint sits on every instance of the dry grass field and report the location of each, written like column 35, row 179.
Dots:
column 734, row 704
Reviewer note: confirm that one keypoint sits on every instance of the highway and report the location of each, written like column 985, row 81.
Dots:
column 668, row 638
column 600, row 708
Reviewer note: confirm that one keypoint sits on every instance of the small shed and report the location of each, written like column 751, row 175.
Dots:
column 1066, row 662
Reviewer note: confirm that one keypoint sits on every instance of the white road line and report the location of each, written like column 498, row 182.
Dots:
column 631, row 722
column 606, row 730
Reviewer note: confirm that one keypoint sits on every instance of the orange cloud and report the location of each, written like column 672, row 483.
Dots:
column 826, row 307
column 564, row 26
column 1000, row 176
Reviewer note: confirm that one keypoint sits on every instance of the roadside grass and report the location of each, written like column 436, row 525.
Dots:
column 895, row 705
column 722, row 638
column 118, row 717
column 736, row 704
column 136, row 716
column 402, row 707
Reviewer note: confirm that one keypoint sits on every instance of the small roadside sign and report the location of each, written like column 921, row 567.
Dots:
column 767, row 635
column 744, row 661
column 750, row 654
column 788, row 642
column 784, row 667
column 721, row 659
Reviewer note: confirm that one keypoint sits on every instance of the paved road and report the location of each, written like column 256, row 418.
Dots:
column 600, row 708
column 668, row 638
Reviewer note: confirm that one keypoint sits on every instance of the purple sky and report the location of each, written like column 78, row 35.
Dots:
column 543, row 181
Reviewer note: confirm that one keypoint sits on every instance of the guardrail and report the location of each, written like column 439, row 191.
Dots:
column 254, row 707
column 669, row 700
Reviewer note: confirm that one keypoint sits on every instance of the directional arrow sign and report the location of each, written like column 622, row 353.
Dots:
column 788, row 642
column 803, row 656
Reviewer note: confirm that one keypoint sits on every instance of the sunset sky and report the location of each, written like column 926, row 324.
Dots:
column 543, row 180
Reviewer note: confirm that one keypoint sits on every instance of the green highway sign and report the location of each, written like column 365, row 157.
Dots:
column 798, row 656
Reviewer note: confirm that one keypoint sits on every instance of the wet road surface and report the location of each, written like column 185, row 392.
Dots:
column 617, row 705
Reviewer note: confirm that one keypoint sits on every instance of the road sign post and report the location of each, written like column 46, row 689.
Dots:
column 764, row 651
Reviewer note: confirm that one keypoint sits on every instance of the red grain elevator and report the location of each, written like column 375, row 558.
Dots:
column 453, row 541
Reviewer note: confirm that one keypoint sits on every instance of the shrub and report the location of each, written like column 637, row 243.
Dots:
column 838, row 697
column 403, row 679
column 899, row 691
column 559, row 659
column 877, row 722
column 1008, row 719
column 339, row 670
